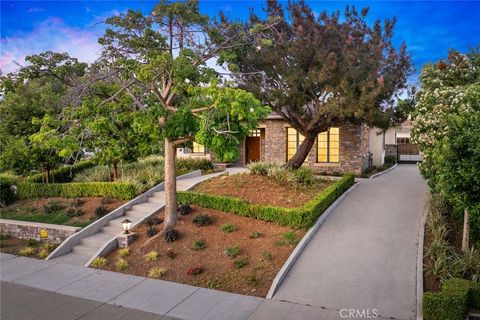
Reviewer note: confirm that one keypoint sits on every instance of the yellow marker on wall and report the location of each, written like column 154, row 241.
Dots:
column 43, row 233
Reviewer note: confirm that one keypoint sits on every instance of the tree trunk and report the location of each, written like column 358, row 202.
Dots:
column 47, row 170
column 115, row 170
column 170, row 186
column 466, row 231
column 302, row 152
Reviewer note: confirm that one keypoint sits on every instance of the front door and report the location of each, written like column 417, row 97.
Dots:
column 252, row 149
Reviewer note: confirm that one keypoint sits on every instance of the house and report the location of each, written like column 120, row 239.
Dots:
column 349, row 148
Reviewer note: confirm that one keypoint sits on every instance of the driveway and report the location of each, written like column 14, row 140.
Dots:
column 364, row 256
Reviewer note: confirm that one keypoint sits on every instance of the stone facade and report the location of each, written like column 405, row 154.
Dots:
column 39, row 231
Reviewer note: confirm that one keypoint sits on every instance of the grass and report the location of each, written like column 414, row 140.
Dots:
column 27, row 251
column 232, row 251
column 199, row 245
column 99, row 262
column 122, row 264
column 123, row 253
column 157, row 272
column 240, row 262
column 255, row 235
column 151, row 256
column 228, row 227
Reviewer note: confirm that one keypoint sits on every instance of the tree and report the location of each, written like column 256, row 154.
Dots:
column 319, row 72
column 446, row 128
column 159, row 62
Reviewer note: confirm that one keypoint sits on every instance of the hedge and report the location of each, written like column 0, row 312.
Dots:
column 453, row 301
column 118, row 190
column 63, row 174
column 302, row 217
column 7, row 193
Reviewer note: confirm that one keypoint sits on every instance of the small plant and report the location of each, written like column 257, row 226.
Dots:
column 232, row 251
column 228, row 227
column 171, row 235
column 184, row 209
column 255, row 235
column 153, row 221
column 170, row 253
column 99, row 262
column 42, row 254
column 151, row 231
column 27, row 251
column 101, row 211
column 73, row 212
column 48, row 246
column 106, row 200
column 122, row 264
column 123, row 253
column 199, row 245
column 202, row 220
column 32, row 243
column 151, row 256
column 267, row 256
column 240, row 262
column 77, row 202
column 195, row 271
column 157, row 272
column 253, row 279
column 291, row 238
column 53, row 206
column 260, row 168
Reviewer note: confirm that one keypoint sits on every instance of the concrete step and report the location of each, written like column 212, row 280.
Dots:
column 97, row 238
column 74, row 259
column 132, row 214
column 112, row 230
column 158, row 194
column 158, row 200
column 86, row 250
column 146, row 207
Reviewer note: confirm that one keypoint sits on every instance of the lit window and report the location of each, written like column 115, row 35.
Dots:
column 294, row 139
column 328, row 146
column 254, row 133
column 198, row 148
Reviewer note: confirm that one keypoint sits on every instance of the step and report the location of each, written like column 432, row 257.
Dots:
column 87, row 250
column 112, row 230
column 73, row 259
column 132, row 214
column 157, row 200
column 147, row 207
column 99, row 237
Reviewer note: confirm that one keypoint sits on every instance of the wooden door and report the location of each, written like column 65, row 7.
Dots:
column 252, row 149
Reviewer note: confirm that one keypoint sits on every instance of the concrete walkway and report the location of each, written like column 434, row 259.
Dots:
column 364, row 256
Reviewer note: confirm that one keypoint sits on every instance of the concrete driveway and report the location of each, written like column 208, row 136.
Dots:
column 364, row 256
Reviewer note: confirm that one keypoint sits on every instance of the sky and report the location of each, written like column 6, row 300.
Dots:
column 429, row 28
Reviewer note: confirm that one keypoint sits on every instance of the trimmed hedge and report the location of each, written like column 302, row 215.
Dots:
column 453, row 302
column 302, row 217
column 118, row 190
column 63, row 174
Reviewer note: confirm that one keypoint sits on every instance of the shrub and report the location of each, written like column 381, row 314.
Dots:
column 27, row 251
column 78, row 202
column 451, row 303
column 390, row 159
column 191, row 164
column 99, row 262
column 199, row 245
column 72, row 212
column 122, row 264
column 260, row 168
column 291, row 238
column 194, row 271
column 171, row 235
column 151, row 256
column 118, row 190
column 42, row 254
column 123, row 253
column 32, row 243
column 53, row 206
column 170, row 253
column 202, row 220
column 151, row 231
column 157, row 272
column 240, row 262
column 228, row 227
column 301, row 177
column 184, row 209
column 48, row 246
column 279, row 174
column 267, row 256
column 468, row 264
column 101, row 211
column 255, row 235
column 7, row 190
column 232, row 251
column 302, row 217
column 153, row 221
column 63, row 174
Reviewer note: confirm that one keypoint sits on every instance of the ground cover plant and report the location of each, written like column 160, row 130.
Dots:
column 208, row 257
column 66, row 211
column 25, row 247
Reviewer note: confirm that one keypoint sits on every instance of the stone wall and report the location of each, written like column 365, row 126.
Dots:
column 353, row 148
column 39, row 231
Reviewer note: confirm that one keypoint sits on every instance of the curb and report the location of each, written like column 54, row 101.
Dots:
column 388, row 170
column 304, row 242
column 421, row 240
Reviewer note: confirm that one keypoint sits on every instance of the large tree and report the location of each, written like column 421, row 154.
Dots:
column 319, row 71
column 160, row 62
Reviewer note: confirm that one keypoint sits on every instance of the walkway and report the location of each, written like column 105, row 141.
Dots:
column 91, row 244
column 364, row 255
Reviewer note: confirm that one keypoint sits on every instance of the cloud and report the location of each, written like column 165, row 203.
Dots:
column 51, row 34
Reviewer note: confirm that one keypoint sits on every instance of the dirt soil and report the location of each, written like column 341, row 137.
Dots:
column 265, row 255
column 261, row 190
column 14, row 245
column 88, row 206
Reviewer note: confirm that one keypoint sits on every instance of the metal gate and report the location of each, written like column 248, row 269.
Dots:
column 408, row 153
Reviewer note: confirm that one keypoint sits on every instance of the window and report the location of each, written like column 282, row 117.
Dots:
column 198, row 148
column 294, row 139
column 403, row 140
column 254, row 133
column 328, row 146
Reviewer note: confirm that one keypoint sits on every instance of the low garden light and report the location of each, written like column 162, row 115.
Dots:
column 126, row 224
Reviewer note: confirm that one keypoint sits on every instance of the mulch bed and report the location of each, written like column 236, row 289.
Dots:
column 265, row 254
column 261, row 190
column 14, row 245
